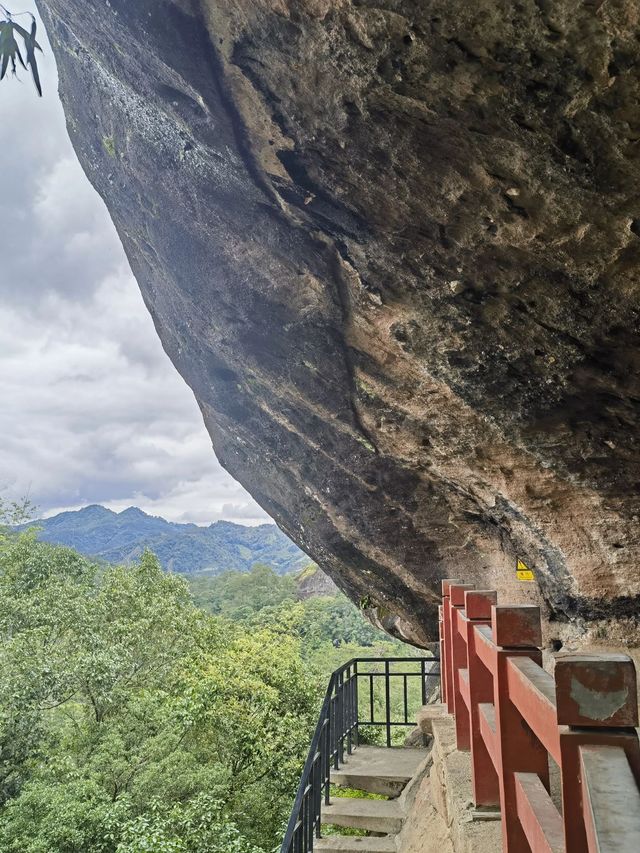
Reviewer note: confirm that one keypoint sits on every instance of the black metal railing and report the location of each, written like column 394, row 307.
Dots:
column 339, row 724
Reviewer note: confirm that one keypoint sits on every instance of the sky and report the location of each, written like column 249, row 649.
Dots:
column 91, row 408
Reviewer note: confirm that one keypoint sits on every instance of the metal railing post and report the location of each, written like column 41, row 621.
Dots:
column 327, row 765
column 348, row 710
column 355, row 704
column 387, row 700
column 340, row 719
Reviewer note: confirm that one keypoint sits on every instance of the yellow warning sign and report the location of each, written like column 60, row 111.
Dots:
column 523, row 572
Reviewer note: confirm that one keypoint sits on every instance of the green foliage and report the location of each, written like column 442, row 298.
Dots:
column 239, row 595
column 13, row 513
column 261, row 598
column 52, row 816
column 354, row 794
column 199, row 826
column 10, row 53
column 330, row 630
column 109, row 145
column 308, row 572
column 335, row 618
column 130, row 720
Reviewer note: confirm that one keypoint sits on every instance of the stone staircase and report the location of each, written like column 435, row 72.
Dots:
column 374, row 770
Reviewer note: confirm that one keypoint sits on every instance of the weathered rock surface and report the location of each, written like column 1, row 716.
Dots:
column 439, row 813
column 313, row 583
column 393, row 247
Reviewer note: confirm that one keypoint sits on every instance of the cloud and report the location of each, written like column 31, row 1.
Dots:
column 91, row 409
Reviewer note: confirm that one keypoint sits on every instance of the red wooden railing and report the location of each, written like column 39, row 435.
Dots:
column 512, row 715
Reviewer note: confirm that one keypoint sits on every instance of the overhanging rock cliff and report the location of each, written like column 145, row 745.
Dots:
column 393, row 248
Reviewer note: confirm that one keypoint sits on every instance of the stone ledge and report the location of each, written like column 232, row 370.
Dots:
column 440, row 819
column 427, row 714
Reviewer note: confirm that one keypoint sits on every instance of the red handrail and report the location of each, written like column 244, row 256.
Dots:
column 512, row 715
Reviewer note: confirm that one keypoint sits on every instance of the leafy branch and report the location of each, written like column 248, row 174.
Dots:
column 10, row 53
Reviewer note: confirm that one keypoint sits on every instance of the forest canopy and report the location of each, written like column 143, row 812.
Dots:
column 132, row 720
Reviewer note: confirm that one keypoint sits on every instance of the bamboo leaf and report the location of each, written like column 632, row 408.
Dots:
column 35, row 74
column 26, row 35
column 19, row 55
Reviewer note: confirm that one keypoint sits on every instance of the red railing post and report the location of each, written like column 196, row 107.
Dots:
column 516, row 632
column 486, row 791
column 584, row 717
column 597, row 704
column 459, row 654
column 447, row 662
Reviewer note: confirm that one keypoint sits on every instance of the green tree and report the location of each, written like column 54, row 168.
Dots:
column 129, row 717
column 198, row 826
column 13, row 513
column 238, row 595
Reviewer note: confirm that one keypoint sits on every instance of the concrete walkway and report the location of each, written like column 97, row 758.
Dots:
column 355, row 844
column 379, row 770
column 375, row 770
column 384, row 816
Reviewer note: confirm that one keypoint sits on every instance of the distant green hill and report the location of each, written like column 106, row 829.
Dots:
column 185, row 548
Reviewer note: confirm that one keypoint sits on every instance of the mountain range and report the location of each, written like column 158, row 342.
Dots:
column 119, row 537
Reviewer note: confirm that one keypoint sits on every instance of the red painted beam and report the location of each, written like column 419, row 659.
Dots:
column 540, row 819
column 533, row 692
column 488, row 730
column 571, row 742
column 485, row 648
column 488, row 712
column 584, row 718
column 463, row 675
column 460, row 622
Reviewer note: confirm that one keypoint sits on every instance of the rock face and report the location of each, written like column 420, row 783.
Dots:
column 393, row 248
column 312, row 582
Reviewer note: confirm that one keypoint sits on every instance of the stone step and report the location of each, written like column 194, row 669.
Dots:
column 373, row 815
column 379, row 770
column 354, row 844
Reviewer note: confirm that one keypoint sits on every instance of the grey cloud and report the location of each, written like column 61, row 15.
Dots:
column 92, row 410
column 59, row 238
column 239, row 512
